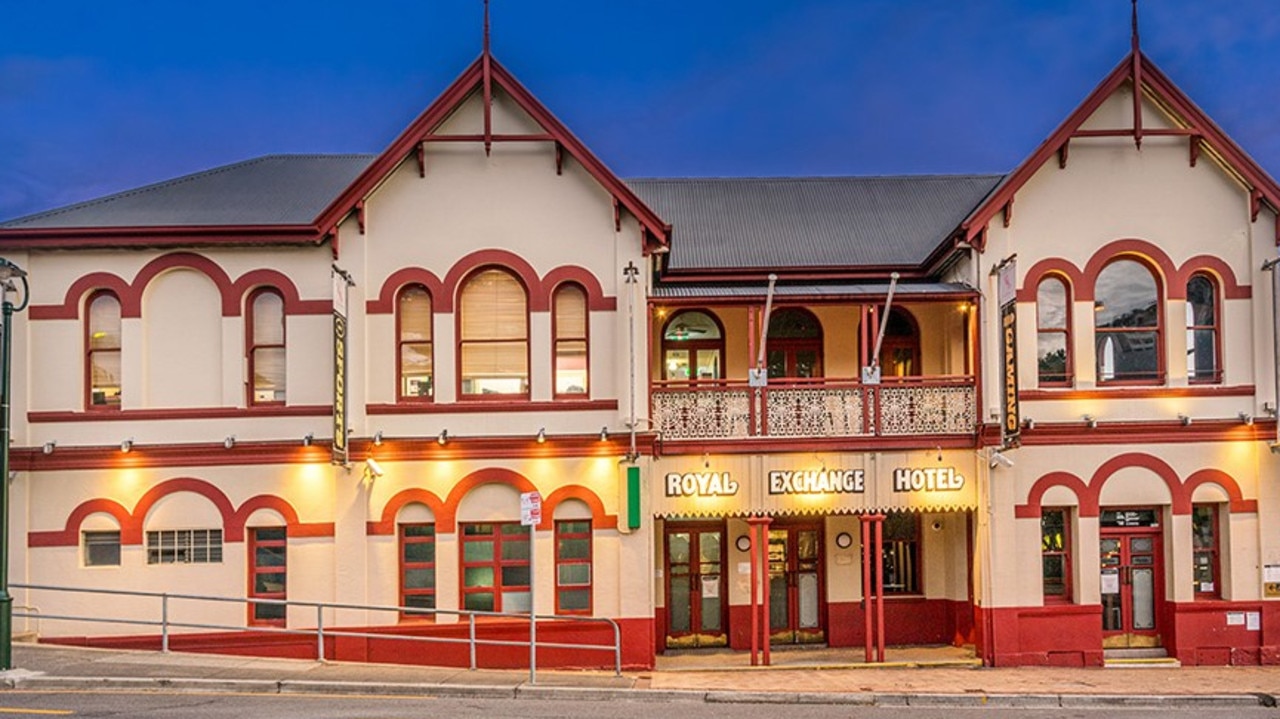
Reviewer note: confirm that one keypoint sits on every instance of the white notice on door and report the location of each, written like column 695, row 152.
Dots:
column 1110, row 583
column 1235, row 619
column 1253, row 621
column 711, row 586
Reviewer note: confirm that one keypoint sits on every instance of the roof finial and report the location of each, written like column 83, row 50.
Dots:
column 486, row 25
column 1135, row 24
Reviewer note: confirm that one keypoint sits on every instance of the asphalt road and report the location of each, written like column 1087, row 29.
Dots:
column 20, row 703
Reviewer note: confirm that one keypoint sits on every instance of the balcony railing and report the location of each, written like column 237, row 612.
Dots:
column 815, row 408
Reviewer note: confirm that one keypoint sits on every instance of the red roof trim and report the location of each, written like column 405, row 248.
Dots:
column 1177, row 100
column 431, row 118
column 167, row 236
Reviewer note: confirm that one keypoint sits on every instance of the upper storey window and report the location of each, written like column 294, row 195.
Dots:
column 1053, row 332
column 493, row 346
column 794, row 344
column 413, row 357
column 1127, row 324
column 102, row 353
column 900, row 353
column 570, row 330
column 692, row 347
column 266, row 347
column 1203, row 354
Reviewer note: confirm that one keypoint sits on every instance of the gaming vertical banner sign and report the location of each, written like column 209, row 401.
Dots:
column 1007, row 294
column 341, row 283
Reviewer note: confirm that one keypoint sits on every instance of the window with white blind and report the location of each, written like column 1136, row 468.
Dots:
column 266, row 347
column 414, row 349
column 493, row 344
column 102, row 351
column 569, row 325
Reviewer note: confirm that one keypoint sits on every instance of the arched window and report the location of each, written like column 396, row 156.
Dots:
column 1053, row 332
column 266, row 347
column 569, row 327
column 493, row 344
column 794, row 346
column 692, row 347
column 1203, row 355
column 102, row 351
column 1127, row 324
column 413, row 343
column 900, row 352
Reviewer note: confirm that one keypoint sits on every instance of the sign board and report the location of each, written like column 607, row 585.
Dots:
column 530, row 509
column 341, row 282
column 1011, row 425
column 757, row 377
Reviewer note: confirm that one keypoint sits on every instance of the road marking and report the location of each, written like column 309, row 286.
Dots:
column 55, row 712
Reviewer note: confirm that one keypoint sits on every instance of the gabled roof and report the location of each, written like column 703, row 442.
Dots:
column 833, row 224
column 1203, row 135
column 269, row 190
column 477, row 77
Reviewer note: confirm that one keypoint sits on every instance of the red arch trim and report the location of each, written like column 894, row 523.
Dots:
column 187, row 484
column 70, row 535
column 1088, row 502
column 1175, row 278
column 596, row 301
column 1231, row 287
column 386, row 302
column 1214, row 476
column 599, row 518
column 387, row 525
column 1178, row 498
column 497, row 258
column 1052, row 266
column 293, row 527
column 130, row 294
column 447, row 521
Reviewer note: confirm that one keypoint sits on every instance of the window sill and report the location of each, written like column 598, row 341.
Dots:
column 1111, row 391
column 278, row 410
column 508, row 405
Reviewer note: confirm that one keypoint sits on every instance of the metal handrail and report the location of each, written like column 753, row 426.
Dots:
column 165, row 623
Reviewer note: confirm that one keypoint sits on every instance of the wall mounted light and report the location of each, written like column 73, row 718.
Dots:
column 48, row 446
column 229, row 442
column 1091, row 421
column 604, row 434
column 443, row 437
column 706, row 461
column 308, row 439
column 1246, row 418
column 372, row 468
column 998, row 459
column 939, row 454
column 377, row 438
column 844, row 540
column 1028, row 423
column 127, row 445
column 542, row 435
column 1184, row 419
column 743, row 543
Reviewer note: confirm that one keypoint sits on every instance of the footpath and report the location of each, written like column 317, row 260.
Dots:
column 795, row 678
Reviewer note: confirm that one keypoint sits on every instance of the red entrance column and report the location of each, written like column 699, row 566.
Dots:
column 873, row 594
column 759, row 534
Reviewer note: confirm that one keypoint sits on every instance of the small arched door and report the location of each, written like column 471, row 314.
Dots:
column 900, row 352
column 794, row 346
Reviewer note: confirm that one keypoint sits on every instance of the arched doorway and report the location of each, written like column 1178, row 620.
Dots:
column 794, row 344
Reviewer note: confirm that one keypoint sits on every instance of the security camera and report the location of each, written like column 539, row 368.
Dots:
column 999, row 460
column 372, row 466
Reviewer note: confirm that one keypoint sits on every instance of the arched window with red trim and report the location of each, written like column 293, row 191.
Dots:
column 413, row 344
column 1053, row 332
column 794, row 345
column 266, row 347
column 693, row 347
column 102, row 343
column 569, row 328
column 493, row 336
column 1204, row 350
column 900, row 352
column 1127, row 324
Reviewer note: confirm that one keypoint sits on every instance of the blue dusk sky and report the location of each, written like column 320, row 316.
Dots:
column 99, row 97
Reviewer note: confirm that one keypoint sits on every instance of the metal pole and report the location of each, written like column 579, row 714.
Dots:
column 755, row 607
column 6, row 600
column 632, row 274
column 878, row 529
column 164, row 623
column 320, row 633
column 471, row 635
column 1268, row 266
column 533, row 592
column 884, row 321
column 766, row 619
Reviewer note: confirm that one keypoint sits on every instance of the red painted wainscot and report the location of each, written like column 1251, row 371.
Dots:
column 637, row 643
column 1198, row 633
column 1059, row 635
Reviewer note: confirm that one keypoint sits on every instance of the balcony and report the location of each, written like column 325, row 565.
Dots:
column 814, row 408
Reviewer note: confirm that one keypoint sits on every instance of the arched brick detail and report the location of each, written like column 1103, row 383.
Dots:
column 230, row 532
column 1229, row 485
column 1054, row 266
column 1138, row 249
column 293, row 527
column 132, row 305
column 496, row 258
column 233, row 300
column 70, row 535
column 1088, row 501
column 1231, row 288
column 596, row 301
column 387, row 524
column 447, row 520
column 599, row 518
column 70, row 307
column 1180, row 500
column 386, row 302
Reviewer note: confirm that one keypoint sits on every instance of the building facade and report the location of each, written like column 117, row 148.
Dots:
column 1033, row 413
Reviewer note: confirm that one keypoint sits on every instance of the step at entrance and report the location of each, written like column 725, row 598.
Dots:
column 1153, row 657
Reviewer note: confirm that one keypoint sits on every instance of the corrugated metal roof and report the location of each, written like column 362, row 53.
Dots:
column 861, row 289
column 268, row 190
column 731, row 223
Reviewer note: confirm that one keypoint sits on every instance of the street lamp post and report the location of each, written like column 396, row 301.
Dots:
column 8, row 273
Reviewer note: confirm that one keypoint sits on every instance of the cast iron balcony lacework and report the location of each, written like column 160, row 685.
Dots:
column 815, row 408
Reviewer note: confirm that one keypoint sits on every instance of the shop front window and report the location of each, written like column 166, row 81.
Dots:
column 1204, row 546
column 1055, row 555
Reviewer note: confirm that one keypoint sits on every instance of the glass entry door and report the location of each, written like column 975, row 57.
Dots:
column 1132, row 589
column 696, row 592
column 795, row 585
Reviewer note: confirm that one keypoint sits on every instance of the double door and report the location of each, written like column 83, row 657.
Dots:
column 1132, row 588
column 695, row 587
column 795, row 585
